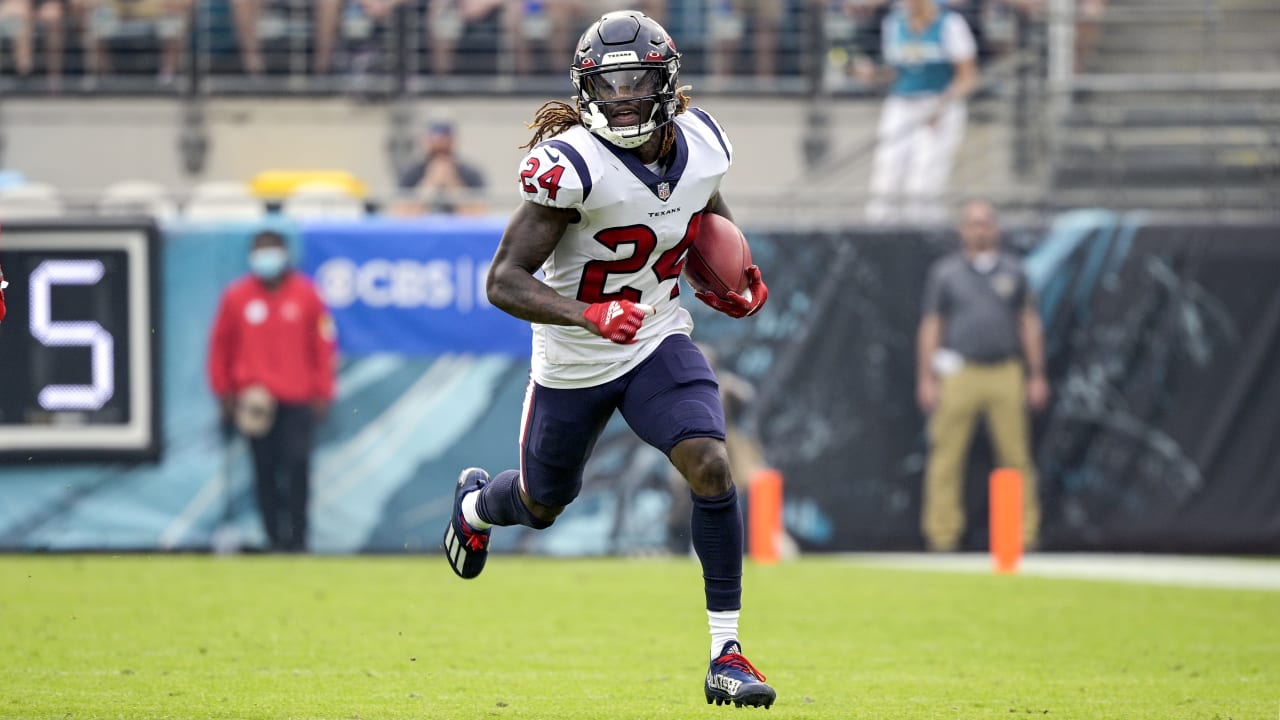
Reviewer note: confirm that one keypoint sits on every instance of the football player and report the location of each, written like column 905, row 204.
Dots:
column 614, row 188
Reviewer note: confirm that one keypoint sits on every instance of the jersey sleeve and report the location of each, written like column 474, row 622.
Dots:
column 555, row 174
column 957, row 38
column 713, row 127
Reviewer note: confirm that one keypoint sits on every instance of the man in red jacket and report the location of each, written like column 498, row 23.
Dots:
column 272, row 367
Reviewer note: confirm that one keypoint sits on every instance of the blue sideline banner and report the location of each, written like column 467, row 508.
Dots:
column 412, row 287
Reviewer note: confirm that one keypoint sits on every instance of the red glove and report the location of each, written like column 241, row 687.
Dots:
column 735, row 305
column 618, row 320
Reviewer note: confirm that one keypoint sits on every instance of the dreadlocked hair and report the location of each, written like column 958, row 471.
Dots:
column 555, row 117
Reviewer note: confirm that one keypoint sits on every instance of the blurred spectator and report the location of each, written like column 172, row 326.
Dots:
column 853, row 28
column 557, row 24
column 994, row 25
column 22, row 17
column 930, row 57
column 1088, row 26
column 272, row 368
column 983, row 17
column 727, row 25
column 365, row 22
column 980, row 352
column 441, row 182
column 449, row 20
column 167, row 19
column 325, row 17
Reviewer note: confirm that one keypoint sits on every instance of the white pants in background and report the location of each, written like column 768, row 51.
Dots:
column 913, row 160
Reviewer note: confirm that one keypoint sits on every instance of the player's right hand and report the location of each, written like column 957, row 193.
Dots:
column 735, row 305
column 617, row 320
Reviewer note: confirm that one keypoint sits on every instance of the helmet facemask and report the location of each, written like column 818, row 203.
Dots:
column 647, row 88
column 626, row 64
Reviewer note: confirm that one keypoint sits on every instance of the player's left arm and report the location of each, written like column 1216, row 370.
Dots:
column 733, row 304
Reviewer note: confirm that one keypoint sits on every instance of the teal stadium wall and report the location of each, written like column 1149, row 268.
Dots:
column 1159, row 341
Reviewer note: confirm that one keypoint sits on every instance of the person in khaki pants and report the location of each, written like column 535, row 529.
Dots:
column 980, row 353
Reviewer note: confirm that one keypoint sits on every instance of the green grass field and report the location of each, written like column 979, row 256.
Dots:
column 264, row 637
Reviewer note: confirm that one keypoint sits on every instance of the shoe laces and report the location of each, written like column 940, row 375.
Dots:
column 738, row 662
column 476, row 539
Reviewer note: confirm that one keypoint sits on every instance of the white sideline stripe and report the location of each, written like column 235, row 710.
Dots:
column 1184, row 570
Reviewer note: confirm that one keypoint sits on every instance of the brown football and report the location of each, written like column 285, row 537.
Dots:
column 719, row 257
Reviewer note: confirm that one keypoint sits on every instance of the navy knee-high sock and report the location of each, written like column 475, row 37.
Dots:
column 499, row 503
column 716, row 527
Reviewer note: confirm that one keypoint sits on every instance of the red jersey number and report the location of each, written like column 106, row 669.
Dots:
column 595, row 274
column 549, row 180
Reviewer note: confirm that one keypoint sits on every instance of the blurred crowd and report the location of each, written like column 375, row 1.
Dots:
column 44, row 41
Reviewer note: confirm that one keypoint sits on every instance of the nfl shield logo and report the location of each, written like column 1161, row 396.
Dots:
column 664, row 190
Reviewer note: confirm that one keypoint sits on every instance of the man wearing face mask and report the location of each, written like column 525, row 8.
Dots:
column 272, row 367
column 980, row 352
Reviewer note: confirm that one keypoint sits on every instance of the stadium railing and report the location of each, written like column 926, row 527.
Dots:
column 332, row 47
column 1170, row 104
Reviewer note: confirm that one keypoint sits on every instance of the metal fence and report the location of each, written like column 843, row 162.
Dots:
column 428, row 46
column 1125, row 103
column 1169, row 104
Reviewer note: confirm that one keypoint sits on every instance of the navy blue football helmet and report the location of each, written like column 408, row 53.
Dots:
column 625, row 74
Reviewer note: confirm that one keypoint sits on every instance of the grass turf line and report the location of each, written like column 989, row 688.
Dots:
column 280, row 637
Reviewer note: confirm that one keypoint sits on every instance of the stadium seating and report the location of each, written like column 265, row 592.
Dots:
column 277, row 184
column 138, row 197
column 32, row 200
column 322, row 200
column 224, row 200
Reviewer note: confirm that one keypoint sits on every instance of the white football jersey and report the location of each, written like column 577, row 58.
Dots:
column 629, row 241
